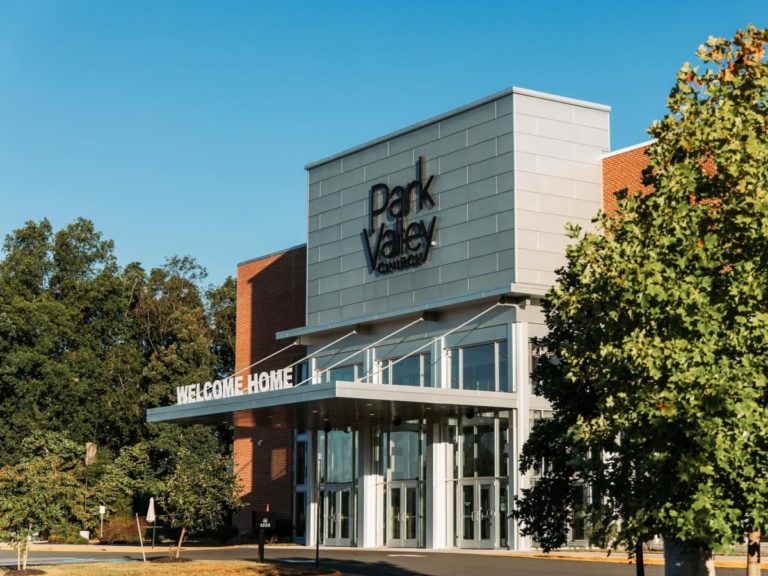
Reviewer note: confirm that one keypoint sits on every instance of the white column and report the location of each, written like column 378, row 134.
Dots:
column 367, row 509
column 381, row 507
column 437, row 493
column 523, row 389
column 313, row 509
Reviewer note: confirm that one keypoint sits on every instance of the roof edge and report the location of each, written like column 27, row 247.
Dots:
column 454, row 112
column 628, row 148
column 275, row 253
column 514, row 289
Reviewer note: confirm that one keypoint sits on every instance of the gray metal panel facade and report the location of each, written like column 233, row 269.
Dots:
column 558, row 179
column 476, row 156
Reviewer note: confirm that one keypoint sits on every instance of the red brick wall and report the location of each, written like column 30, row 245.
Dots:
column 270, row 297
column 623, row 170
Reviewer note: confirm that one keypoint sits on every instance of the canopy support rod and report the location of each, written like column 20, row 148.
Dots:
column 431, row 342
column 379, row 341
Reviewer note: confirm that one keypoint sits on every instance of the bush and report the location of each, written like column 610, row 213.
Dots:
column 65, row 534
column 122, row 530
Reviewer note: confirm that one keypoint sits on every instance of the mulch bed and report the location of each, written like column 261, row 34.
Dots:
column 27, row 572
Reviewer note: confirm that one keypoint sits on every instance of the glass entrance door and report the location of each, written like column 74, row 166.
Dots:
column 478, row 514
column 403, row 514
column 336, row 463
column 337, row 521
column 402, row 450
column 481, row 468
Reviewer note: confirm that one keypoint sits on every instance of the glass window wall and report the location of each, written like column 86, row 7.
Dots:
column 339, row 467
column 413, row 370
column 480, row 367
column 348, row 373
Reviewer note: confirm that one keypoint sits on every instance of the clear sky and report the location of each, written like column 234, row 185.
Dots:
column 183, row 127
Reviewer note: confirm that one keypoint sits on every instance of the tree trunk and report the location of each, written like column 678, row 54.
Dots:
column 681, row 560
column 181, row 539
column 753, row 553
column 639, row 566
column 25, row 553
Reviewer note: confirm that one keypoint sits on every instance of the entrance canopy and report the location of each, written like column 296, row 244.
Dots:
column 336, row 404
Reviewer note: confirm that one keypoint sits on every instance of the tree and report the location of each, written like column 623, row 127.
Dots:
column 221, row 310
column 173, row 329
column 656, row 361
column 201, row 494
column 67, row 355
column 186, row 469
column 40, row 494
column 85, row 348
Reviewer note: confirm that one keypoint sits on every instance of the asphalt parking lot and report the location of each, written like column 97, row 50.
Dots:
column 357, row 562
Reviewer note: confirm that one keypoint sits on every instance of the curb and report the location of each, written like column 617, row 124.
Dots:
column 103, row 548
column 719, row 563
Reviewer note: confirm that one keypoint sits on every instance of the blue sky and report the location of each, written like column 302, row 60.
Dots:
column 182, row 127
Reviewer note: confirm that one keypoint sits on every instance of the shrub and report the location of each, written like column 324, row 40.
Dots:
column 65, row 534
column 122, row 530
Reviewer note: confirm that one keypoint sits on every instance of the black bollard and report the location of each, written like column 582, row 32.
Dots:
column 264, row 524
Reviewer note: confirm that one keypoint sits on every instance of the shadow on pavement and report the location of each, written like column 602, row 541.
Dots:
column 351, row 567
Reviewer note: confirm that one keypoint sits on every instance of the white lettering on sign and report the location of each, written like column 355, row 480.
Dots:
column 234, row 386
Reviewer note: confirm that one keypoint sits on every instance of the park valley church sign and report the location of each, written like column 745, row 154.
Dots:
column 394, row 239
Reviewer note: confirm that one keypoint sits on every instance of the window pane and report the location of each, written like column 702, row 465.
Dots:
column 301, row 462
column 503, row 367
column 454, row 360
column 427, row 369
column 504, row 444
column 405, row 455
column 300, row 522
column 406, row 371
column 344, row 373
column 479, row 368
column 300, row 373
column 320, row 456
column 339, row 456
column 485, row 450
column 468, row 452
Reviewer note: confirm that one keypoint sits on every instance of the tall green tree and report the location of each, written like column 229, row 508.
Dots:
column 62, row 320
column 657, row 353
column 86, row 346
column 173, row 329
column 221, row 310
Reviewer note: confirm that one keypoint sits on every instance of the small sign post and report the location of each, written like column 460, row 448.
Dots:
column 102, row 511
column 265, row 523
